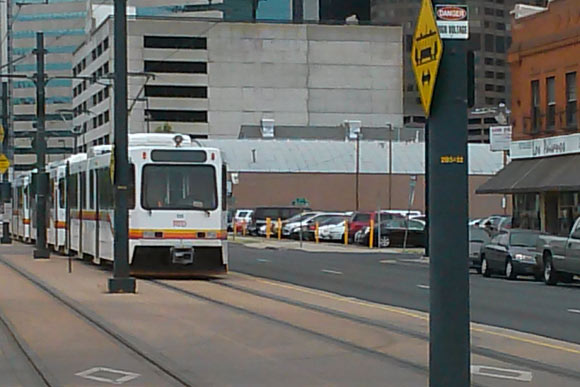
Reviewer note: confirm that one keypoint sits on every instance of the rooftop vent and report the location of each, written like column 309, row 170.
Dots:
column 267, row 128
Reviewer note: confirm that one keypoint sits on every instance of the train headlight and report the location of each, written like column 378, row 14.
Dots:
column 211, row 235
column 148, row 234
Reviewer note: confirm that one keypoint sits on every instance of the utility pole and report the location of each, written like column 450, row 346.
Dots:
column 121, row 281
column 449, row 355
column 41, row 250
column 357, row 172
column 390, row 126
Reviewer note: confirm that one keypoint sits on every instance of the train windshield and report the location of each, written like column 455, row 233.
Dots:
column 179, row 187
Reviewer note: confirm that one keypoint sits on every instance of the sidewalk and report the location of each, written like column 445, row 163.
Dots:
column 323, row 247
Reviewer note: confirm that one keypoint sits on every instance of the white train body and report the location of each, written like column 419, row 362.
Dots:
column 177, row 207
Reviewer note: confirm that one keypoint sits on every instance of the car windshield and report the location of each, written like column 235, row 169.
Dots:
column 394, row 223
column 332, row 220
column 361, row 218
column 477, row 234
column 243, row 214
column 524, row 239
column 179, row 187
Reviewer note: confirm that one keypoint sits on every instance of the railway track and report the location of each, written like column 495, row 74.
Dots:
column 163, row 368
column 572, row 375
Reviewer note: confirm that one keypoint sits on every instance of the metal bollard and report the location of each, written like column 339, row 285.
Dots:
column 316, row 236
column 371, row 233
column 279, row 229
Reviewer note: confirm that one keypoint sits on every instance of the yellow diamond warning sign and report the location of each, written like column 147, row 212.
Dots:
column 4, row 163
column 426, row 53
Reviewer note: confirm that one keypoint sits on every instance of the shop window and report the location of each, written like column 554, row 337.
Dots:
column 526, row 211
column 567, row 212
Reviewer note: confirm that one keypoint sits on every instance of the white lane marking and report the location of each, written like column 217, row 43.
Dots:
column 574, row 311
column 331, row 272
column 423, row 286
column 93, row 372
column 502, row 373
column 263, row 260
column 388, row 261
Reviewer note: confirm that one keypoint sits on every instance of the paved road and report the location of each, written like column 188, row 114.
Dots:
column 522, row 305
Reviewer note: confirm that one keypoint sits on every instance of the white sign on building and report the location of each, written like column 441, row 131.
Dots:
column 452, row 21
column 543, row 147
column 500, row 138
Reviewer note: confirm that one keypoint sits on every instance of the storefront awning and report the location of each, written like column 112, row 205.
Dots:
column 560, row 173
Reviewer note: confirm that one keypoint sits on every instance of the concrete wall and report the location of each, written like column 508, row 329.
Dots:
column 337, row 192
column 303, row 75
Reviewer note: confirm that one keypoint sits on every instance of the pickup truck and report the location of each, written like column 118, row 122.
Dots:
column 560, row 256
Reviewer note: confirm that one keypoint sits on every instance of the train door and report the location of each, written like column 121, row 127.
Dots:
column 60, row 212
column 105, row 205
column 26, row 215
column 50, row 208
column 89, row 227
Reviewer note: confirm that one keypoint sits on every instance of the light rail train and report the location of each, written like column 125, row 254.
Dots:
column 177, row 207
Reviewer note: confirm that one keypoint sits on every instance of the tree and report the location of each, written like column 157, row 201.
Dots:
column 165, row 128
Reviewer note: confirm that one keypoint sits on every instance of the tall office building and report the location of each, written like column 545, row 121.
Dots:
column 490, row 38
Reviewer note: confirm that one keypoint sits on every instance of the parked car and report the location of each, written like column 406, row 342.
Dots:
column 559, row 256
column 478, row 237
column 332, row 231
column 241, row 217
column 308, row 230
column 293, row 224
column 493, row 224
column 360, row 220
column 511, row 253
column 392, row 233
column 262, row 213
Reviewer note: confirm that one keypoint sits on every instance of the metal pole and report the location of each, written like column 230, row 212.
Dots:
column 121, row 282
column 41, row 250
column 6, row 239
column 357, row 204
column 449, row 351
column 390, row 166
column 427, row 174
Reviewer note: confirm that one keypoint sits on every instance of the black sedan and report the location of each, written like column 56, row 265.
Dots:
column 478, row 237
column 393, row 233
column 511, row 253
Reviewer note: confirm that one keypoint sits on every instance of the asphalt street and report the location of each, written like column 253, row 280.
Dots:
column 523, row 305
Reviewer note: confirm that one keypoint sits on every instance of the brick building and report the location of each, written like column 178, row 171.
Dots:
column 544, row 177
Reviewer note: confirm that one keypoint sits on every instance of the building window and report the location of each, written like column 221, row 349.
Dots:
column 106, row 44
column 176, row 91
column 490, row 101
column 526, row 211
column 177, row 115
column 500, row 62
column 175, row 67
column 489, row 43
column 550, row 103
column 500, row 89
column 535, row 106
column 571, row 101
column 107, row 118
column 488, row 61
column 489, row 74
column 500, row 26
column 106, row 92
column 500, row 75
column 489, row 87
column 499, row 44
column 175, row 42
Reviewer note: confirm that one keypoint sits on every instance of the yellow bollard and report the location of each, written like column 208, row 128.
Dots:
column 244, row 228
column 346, row 232
column 316, row 232
column 268, row 227
column 235, row 229
column 279, row 228
column 371, row 233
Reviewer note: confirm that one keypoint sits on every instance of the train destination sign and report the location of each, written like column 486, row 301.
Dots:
column 426, row 53
column 453, row 21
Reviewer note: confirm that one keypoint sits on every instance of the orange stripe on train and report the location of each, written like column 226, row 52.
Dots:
column 176, row 234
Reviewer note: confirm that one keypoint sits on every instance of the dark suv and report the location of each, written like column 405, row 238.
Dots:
column 274, row 213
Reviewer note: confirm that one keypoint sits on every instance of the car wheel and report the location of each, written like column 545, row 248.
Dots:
column 510, row 271
column 550, row 274
column 485, row 271
column 385, row 241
